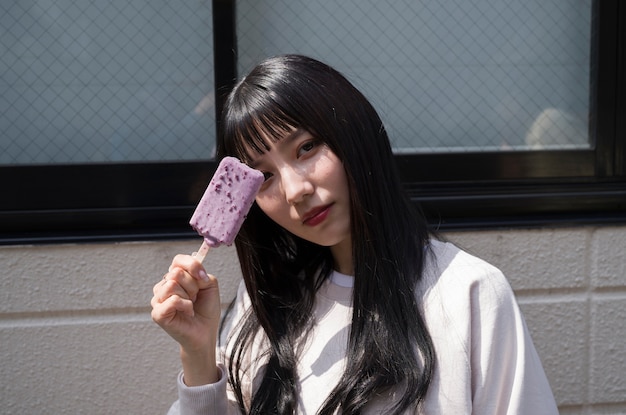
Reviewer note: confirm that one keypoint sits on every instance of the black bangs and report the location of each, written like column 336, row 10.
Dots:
column 252, row 136
column 254, row 121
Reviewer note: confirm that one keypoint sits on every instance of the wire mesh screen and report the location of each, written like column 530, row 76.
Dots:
column 447, row 75
column 105, row 81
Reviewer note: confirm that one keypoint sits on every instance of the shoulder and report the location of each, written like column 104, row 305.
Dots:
column 454, row 272
column 461, row 293
column 480, row 336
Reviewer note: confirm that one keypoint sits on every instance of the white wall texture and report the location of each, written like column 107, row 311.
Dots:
column 76, row 335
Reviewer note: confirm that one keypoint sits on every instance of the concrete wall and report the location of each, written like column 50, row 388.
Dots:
column 76, row 335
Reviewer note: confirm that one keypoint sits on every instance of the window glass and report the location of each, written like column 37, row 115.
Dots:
column 105, row 81
column 445, row 75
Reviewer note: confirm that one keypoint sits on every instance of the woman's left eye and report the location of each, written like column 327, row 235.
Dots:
column 306, row 147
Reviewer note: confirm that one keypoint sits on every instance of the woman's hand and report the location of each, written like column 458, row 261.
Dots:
column 186, row 304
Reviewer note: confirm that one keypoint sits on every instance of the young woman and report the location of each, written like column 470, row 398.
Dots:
column 348, row 305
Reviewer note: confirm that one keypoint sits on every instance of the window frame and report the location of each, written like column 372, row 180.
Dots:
column 457, row 191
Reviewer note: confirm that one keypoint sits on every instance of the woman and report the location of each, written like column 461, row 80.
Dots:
column 347, row 305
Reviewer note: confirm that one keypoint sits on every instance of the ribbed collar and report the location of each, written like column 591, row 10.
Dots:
column 342, row 280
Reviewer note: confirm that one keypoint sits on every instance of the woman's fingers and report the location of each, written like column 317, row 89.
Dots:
column 170, row 287
column 186, row 288
column 179, row 281
column 186, row 276
column 165, row 310
column 186, row 304
column 192, row 266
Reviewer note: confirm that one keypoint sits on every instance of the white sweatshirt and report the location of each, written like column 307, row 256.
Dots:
column 486, row 361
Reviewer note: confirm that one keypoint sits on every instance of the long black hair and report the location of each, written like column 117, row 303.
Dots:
column 389, row 347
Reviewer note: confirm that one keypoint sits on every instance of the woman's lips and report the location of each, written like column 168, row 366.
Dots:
column 316, row 216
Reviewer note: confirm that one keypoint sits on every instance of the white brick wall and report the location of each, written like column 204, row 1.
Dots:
column 76, row 335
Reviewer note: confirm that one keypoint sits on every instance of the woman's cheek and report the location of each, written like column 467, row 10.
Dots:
column 268, row 205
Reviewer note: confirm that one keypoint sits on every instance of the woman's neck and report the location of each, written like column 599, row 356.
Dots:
column 342, row 256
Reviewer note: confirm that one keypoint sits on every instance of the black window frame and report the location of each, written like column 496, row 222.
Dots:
column 473, row 190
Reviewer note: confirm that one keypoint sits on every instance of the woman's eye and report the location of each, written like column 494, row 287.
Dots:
column 267, row 175
column 306, row 147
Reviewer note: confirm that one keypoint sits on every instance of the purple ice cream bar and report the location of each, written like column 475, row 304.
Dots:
column 226, row 202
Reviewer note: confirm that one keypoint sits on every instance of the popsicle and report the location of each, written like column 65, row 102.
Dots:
column 225, row 204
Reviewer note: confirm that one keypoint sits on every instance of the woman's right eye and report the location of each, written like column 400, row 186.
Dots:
column 267, row 175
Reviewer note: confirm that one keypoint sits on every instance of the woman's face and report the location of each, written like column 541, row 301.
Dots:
column 306, row 189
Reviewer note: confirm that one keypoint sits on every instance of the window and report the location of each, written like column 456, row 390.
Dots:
column 500, row 114
column 446, row 76
column 95, row 82
column 108, row 116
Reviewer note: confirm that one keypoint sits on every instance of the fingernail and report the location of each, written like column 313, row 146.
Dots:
column 203, row 275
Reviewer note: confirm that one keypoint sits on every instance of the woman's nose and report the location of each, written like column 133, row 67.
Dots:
column 296, row 185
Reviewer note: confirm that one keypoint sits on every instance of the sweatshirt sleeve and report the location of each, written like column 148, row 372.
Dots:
column 205, row 399
column 507, row 374
column 486, row 361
